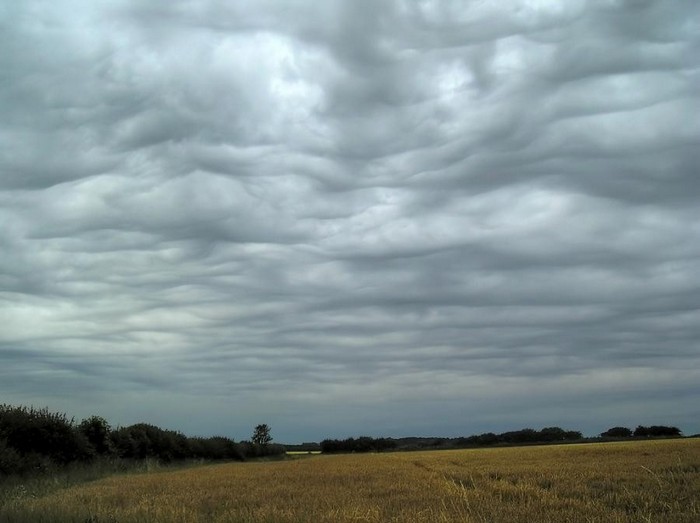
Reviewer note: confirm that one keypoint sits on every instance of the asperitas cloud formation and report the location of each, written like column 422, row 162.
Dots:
column 352, row 216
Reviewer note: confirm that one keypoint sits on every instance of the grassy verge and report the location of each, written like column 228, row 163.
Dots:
column 18, row 489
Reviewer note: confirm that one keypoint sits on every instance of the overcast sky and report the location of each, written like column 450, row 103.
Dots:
column 352, row 217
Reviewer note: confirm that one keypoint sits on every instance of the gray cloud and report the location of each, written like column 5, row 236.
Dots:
column 355, row 217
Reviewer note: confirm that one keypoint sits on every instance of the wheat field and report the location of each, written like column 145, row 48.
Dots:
column 654, row 481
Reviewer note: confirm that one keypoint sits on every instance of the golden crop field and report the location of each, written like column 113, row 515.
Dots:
column 655, row 481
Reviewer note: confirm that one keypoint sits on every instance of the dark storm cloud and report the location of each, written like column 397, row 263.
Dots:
column 352, row 216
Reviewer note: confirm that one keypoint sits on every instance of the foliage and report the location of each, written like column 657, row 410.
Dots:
column 523, row 436
column 261, row 444
column 261, row 435
column 617, row 432
column 10, row 460
column 36, row 440
column 307, row 446
column 142, row 441
column 361, row 444
column 40, row 438
column 251, row 450
column 546, row 435
column 656, row 431
column 215, row 448
column 97, row 431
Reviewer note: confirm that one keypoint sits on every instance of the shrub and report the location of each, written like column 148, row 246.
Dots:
column 252, row 450
column 656, row 431
column 617, row 432
column 143, row 441
column 214, row 448
column 96, row 430
column 361, row 444
column 10, row 460
column 38, row 431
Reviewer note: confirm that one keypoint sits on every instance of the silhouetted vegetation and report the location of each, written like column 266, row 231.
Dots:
column 253, row 450
column 361, row 444
column 307, row 446
column 516, row 437
column 97, row 431
column 520, row 437
column 36, row 440
column 656, row 431
column 546, row 435
column 261, row 435
column 261, row 444
column 617, row 432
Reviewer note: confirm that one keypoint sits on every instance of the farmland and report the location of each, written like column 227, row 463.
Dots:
column 604, row 482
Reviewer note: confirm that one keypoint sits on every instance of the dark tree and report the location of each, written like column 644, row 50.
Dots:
column 261, row 435
column 617, row 432
column 656, row 431
column 42, row 436
column 552, row 434
column 142, row 441
column 34, row 440
column 361, row 444
column 97, row 430
column 487, row 438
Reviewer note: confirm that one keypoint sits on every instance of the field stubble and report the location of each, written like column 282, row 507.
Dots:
column 611, row 483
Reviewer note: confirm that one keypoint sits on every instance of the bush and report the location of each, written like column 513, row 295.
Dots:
column 656, row 431
column 215, row 448
column 10, row 460
column 617, row 432
column 361, row 444
column 38, row 431
column 143, row 441
column 36, row 440
column 253, row 450
column 96, row 430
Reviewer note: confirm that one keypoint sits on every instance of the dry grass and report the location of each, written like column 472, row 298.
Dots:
column 614, row 482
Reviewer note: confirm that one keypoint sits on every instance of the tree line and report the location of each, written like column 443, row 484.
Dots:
column 361, row 444
column 525, row 436
column 516, row 437
column 34, row 440
column 655, row 431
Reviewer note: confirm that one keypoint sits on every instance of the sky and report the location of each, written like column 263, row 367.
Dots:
column 352, row 217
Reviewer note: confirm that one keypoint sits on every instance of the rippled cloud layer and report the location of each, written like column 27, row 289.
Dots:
column 352, row 217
